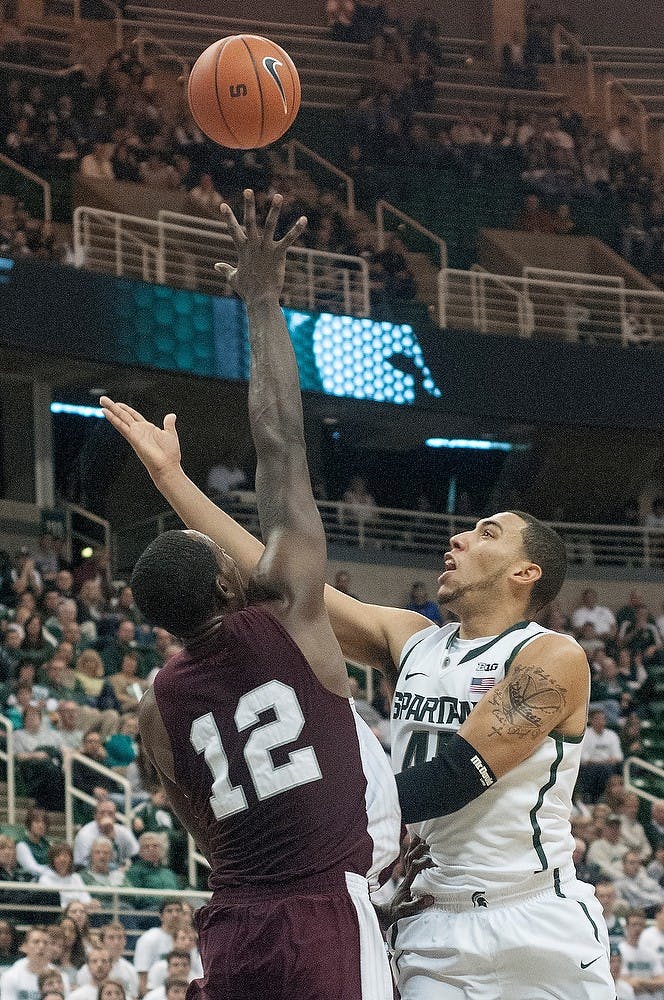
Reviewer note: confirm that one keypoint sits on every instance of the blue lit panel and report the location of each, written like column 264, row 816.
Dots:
column 360, row 358
column 474, row 445
column 73, row 410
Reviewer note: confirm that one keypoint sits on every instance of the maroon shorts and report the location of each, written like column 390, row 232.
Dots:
column 282, row 945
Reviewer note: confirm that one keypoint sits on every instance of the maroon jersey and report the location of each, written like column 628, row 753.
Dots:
column 272, row 762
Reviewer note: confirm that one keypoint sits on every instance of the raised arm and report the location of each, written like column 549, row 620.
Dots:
column 369, row 634
column 292, row 567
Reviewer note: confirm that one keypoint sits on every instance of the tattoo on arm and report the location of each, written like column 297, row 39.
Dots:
column 523, row 705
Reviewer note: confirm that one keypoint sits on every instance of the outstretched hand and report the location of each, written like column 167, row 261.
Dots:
column 157, row 448
column 261, row 265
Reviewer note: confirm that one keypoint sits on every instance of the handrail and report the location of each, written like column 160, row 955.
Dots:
column 146, row 36
column 8, row 756
column 218, row 19
column 523, row 304
column 629, row 48
column 295, row 144
column 339, row 259
column 116, row 219
column 611, row 280
column 560, row 34
column 612, row 83
column 349, row 274
column 427, row 534
column 39, row 70
column 125, row 891
column 383, row 206
column 72, row 792
column 72, row 509
column 36, row 179
column 644, row 765
column 115, row 10
column 194, row 857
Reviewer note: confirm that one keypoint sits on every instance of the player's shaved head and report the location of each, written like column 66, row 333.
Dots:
column 178, row 582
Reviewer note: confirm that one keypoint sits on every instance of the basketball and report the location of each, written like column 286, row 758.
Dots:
column 244, row 91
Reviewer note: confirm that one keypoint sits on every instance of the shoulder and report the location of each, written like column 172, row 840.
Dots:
column 426, row 630
column 559, row 650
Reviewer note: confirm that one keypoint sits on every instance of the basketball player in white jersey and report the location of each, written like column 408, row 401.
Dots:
column 488, row 718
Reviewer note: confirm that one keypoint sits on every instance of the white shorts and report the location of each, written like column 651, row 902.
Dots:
column 548, row 945
column 374, row 964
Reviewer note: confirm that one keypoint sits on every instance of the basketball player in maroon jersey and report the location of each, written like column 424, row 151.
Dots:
column 251, row 728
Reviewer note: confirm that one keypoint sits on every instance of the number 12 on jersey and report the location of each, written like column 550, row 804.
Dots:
column 268, row 780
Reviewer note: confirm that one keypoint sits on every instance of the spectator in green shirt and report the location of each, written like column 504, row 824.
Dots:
column 148, row 870
column 35, row 648
column 117, row 648
column 56, row 678
column 32, row 848
column 156, row 816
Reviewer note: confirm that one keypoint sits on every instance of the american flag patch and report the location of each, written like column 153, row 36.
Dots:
column 480, row 685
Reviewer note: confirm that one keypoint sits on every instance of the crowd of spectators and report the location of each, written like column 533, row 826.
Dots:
column 116, row 126
column 560, row 159
column 112, row 123
column 75, row 657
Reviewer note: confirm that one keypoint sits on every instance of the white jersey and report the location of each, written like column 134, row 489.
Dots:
column 519, row 826
column 641, row 963
column 653, row 939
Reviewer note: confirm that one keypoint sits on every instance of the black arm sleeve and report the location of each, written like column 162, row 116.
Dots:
column 445, row 784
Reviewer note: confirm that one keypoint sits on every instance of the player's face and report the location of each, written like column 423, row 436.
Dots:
column 481, row 560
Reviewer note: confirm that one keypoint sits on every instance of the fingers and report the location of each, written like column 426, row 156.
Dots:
column 250, row 214
column 413, row 906
column 417, row 860
column 122, row 426
column 169, row 423
column 272, row 218
column 131, row 413
column 236, row 230
column 294, row 233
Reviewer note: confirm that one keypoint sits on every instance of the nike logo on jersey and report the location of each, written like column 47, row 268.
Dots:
column 270, row 64
column 584, row 965
column 415, row 673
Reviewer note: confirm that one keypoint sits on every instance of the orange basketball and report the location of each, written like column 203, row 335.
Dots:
column 244, row 91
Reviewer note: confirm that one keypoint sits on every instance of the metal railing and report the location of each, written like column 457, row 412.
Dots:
column 565, row 41
column 73, row 793
column 36, row 179
column 388, row 531
column 632, row 783
column 84, row 528
column 183, row 253
column 118, row 896
column 165, row 50
column 561, row 306
column 384, row 208
column 7, row 755
column 294, row 146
